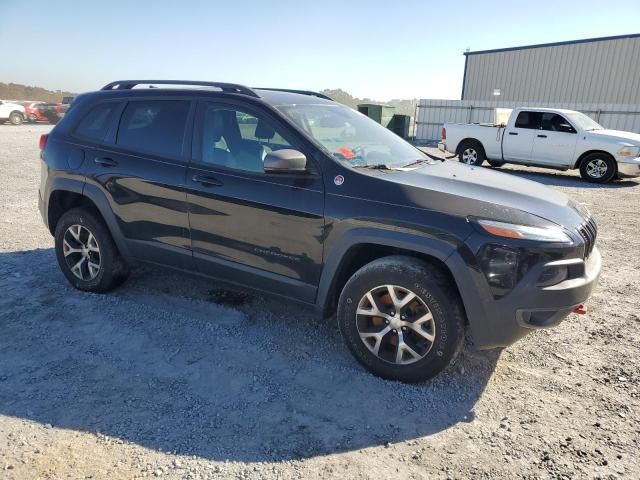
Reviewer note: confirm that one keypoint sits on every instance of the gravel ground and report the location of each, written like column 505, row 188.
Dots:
column 171, row 377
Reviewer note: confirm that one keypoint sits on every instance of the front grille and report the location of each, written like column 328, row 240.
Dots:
column 588, row 231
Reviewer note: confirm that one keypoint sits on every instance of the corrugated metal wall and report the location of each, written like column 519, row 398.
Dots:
column 432, row 114
column 598, row 71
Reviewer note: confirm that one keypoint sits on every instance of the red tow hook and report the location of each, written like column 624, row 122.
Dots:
column 580, row 310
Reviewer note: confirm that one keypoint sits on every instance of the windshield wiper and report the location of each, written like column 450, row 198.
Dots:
column 415, row 162
column 375, row 166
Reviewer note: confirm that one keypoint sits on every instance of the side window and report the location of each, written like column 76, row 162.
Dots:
column 154, row 126
column 95, row 124
column 528, row 120
column 237, row 139
column 556, row 123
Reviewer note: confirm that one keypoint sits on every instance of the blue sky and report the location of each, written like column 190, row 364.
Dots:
column 378, row 49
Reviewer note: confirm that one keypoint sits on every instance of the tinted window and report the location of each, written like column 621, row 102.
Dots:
column 556, row 123
column 528, row 120
column 155, row 126
column 237, row 139
column 95, row 124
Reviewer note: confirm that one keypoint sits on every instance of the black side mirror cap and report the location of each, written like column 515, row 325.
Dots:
column 285, row 160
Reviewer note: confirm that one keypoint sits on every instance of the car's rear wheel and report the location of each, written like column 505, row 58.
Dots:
column 16, row 118
column 471, row 153
column 598, row 168
column 86, row 253
column 401, row 318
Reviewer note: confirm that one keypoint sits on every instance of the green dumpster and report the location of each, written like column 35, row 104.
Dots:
column 375, row 111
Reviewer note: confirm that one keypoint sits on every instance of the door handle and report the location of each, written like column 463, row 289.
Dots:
column 513, row 133
column 105, row 161
column 542, row 136
column 207, row 181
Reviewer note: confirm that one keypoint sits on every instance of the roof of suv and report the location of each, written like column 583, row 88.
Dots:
column 273, row 96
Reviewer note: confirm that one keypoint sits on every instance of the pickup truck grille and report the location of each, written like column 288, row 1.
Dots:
column 588, row 231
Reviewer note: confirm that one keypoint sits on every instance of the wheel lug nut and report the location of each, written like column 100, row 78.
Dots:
column 393, row 313
column 403, row 317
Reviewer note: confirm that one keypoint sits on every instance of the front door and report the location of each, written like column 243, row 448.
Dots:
column 555, row 142
column 248, row 226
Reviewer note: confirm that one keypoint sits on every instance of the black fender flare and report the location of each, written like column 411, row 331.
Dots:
column 423, row 244
column 95, row 196
column 453, row 254
column 99, row 199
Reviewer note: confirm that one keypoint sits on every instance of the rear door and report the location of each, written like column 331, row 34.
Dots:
column 555, row 142
column 141, row 167
column 517, row 144
column 260, row 229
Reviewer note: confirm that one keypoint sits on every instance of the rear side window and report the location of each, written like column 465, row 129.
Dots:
column 155, row 126
column 95, row 124
column 528, row 120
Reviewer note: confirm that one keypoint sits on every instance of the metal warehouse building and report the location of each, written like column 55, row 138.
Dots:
column 599, row 77
column 598, row 70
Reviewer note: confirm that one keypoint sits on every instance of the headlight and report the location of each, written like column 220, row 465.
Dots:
column 629, row 152
column 500, row 267
column 524, row 232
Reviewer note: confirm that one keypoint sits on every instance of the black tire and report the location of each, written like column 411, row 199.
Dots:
column 470, row 152
column 591, row 168
column 16, row 118
column 432, row 288
column 112, row 268
column 495, row 164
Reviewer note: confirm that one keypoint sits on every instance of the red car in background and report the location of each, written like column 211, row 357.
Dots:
column 32, row 113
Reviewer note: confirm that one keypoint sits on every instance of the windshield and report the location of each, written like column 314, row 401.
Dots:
column 353, row 138
column 583, row 122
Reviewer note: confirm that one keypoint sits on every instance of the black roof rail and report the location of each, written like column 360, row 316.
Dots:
column 225, row 87
column 301, row 92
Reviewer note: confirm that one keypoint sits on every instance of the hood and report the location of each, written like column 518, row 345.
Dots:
column 464, row 190
column 625, row 137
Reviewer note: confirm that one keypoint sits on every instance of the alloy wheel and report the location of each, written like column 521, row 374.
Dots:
column 469, row 156
column 81, row 252
column 395, row 324
column 597, row 168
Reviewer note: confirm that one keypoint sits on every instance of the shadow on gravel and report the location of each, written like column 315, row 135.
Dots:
column 559, row 179
column 159, row 364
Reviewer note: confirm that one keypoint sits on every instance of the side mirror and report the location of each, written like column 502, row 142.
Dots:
column 566, row 128
column 286, row 160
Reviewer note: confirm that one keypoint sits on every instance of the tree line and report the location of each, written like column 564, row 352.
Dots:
column 16, row 91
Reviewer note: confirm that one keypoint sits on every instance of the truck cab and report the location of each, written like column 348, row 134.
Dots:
column 550, row 138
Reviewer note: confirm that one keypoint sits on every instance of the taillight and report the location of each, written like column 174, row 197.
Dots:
column 43, row 141
column 444, row 133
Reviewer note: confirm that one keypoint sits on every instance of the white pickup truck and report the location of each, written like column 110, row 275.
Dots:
column 12, row 112
column 550, row 138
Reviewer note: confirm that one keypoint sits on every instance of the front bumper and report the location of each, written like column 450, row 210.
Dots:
column 629, row 168
column 501, row 322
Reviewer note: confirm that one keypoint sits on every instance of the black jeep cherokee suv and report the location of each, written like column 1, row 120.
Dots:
column 293, row 194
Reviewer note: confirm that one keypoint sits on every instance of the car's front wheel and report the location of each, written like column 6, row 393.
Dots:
column 86, row 253
column 401, row 318
column 598, row 168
